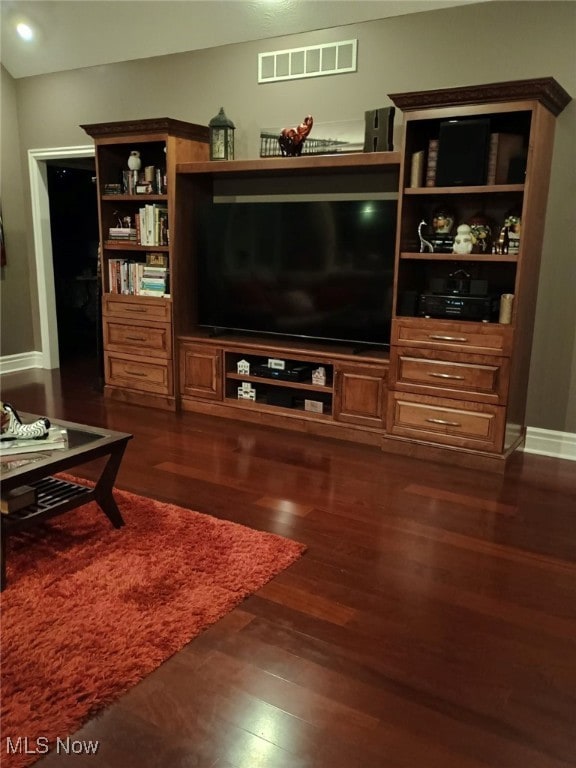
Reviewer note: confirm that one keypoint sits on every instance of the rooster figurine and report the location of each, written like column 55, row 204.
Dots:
column 292, row 140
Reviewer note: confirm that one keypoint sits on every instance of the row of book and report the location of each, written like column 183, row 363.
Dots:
column 151, row 181
column 151, row 227
column 502, row 149
column 134, row 278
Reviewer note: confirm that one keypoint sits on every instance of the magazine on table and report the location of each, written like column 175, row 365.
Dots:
column 57, row 439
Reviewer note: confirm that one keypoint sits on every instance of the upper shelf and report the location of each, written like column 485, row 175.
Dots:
column 476, row 190
column 353, row 161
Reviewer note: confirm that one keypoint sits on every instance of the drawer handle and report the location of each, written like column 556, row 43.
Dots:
column 135, row 338
column 438, row 337
column 135, row 309
column 445, row 423
column 135, row 373
column 446, row 376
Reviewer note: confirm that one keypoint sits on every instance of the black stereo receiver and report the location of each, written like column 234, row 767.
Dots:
column 463, row 306
column 291, row 373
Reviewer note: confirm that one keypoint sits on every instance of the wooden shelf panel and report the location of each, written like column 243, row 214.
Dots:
column 265, row 408
column 477, row 257
column 308, row 163
column 485, row 189
column 133, row 198
column 281, row 383
column 130, row 245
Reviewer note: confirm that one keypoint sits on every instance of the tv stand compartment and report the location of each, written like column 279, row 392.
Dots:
column 231, row 376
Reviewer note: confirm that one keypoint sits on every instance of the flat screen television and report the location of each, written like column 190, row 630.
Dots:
column 318, row 269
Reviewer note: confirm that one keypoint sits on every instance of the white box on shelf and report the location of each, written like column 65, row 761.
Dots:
column 316, row 406
column 278, row 365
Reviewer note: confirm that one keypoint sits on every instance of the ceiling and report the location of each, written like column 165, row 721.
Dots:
column 71, row 34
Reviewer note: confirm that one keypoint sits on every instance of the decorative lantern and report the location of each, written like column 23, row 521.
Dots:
column 221, row 137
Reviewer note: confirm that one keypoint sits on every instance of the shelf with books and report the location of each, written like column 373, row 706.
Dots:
column 136, row 298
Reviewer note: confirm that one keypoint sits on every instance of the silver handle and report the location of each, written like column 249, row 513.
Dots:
column 447, row 338
column 446, row 376
column 445, row 423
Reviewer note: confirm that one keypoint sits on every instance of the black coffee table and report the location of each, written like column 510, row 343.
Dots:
column 56, row 496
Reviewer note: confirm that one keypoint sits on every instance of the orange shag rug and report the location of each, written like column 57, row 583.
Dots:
column 90, row 610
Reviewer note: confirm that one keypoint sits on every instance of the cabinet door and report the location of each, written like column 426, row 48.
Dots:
column 200, row 372
column 360, row 395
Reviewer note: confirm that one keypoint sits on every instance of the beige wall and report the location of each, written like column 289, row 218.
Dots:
column 15, row 277
column 489, row 42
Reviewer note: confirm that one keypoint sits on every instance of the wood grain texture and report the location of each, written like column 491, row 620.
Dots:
column 431, row 623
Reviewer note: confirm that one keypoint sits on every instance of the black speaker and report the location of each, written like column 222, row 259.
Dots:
column 463, row 152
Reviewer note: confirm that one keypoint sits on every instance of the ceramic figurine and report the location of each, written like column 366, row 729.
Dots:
column 292, row 140
column 442, row 221
column 513, row 223
column 481, row 227
column 14, row 429
column 425, row 245
column 134, row 160
column 463, row 242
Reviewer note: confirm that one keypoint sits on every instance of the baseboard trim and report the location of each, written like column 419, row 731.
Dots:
column 21, row 362
column 547, row 442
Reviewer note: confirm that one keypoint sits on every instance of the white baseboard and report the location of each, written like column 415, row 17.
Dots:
column 547, row 442
column 21, row 362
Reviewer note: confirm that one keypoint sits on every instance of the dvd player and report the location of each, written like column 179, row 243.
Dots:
column 294, row 373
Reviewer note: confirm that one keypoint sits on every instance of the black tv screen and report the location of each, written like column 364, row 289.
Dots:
column 308, row 268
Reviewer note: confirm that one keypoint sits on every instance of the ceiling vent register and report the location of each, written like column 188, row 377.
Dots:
column 310, row 61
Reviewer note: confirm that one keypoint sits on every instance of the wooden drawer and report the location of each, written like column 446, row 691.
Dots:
column 480, row 378
column 138, row 338
column 136, row 307
column 481, row 338
column 446, row 421
column 133, row 372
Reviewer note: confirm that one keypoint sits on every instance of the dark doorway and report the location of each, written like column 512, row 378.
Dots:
column 74, row 234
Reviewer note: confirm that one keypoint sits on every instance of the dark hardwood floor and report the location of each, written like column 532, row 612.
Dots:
column 431, row 623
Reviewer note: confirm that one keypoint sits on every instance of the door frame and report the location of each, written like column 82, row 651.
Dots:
column 38, row 172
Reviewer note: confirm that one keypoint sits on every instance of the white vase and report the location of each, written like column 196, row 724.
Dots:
column 134, row 161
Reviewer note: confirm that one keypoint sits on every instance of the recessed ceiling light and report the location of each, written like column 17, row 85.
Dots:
column 25, row 32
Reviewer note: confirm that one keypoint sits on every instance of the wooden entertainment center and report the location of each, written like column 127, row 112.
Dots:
column 448, row 388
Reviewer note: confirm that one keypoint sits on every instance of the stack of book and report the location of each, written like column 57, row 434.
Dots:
column 153, row 281
column 57, row 439
column 122, row 233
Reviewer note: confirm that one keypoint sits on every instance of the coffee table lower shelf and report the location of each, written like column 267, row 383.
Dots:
column 54, row 496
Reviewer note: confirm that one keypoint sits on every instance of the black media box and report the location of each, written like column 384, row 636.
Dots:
column 291, row 373
column 464, row 307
